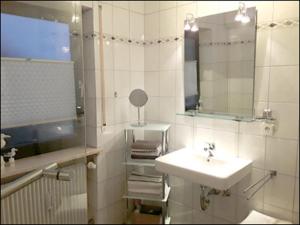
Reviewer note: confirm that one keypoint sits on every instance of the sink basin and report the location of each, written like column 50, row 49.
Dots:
column 219, row 172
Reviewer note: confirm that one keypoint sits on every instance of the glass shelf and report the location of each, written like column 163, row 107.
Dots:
column 149, row 197
column 194, row 113
column 140, row 162
column 163, row 128
column 150, row 127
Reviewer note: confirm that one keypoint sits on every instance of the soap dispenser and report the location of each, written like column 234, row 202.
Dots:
column 12, row 155
column 9, row 157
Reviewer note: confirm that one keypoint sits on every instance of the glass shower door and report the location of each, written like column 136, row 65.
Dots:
column 42, row 110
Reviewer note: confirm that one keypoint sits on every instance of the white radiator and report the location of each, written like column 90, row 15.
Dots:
column 49, row 201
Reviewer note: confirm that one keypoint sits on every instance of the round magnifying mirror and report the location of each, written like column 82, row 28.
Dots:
column 138, row 98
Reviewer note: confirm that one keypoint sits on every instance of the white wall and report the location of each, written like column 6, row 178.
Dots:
column 124, row 71
column 277, row 87
column 158, row 68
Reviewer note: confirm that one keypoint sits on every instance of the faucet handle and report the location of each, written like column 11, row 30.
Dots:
column 209, row 146
column 212, row 146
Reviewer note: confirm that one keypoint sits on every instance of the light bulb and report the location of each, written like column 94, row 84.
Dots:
column 194, row 28
column 75, row 19
column 187, row 26
column 238, row 17
column 245, row 19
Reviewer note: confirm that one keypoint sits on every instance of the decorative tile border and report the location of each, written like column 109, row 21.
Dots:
column 119, row 39
column 226, row 43
column 109, row 37
column 165, row 40
column 278, row 24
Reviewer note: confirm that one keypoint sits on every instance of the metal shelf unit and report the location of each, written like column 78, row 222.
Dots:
column 130, row 138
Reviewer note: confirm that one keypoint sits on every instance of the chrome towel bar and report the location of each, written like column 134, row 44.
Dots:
column 57, row 174
column 266, row 179
column 49, row 171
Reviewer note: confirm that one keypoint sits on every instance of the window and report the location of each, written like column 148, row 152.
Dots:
column 41, row 101
column 24, row 37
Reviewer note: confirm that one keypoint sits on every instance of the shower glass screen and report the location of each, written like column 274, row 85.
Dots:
column 41, row 76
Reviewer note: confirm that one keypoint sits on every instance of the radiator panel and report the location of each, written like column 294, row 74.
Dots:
column 48, row 201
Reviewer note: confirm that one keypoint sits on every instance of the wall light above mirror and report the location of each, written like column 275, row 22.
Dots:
column 190, row 23
column 219, row 68
column 242, row 15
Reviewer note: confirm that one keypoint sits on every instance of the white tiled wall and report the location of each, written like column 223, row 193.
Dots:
column 158, row 69
column 276, row 86
column 123, row 71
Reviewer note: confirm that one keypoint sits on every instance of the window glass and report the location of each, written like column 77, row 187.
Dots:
column 24, row 37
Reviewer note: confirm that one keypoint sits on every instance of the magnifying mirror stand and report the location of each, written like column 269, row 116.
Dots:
column 139, row 123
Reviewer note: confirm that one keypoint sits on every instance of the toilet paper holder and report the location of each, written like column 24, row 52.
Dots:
column 265, row 180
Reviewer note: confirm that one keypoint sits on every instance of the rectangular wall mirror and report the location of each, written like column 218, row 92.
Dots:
column 219, row 68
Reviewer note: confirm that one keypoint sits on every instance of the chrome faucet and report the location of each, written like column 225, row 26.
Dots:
column 211, row 147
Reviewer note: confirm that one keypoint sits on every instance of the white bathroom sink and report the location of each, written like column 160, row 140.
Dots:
column 219, row 172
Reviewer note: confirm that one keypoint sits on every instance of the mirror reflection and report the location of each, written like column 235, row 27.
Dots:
column 219, row 63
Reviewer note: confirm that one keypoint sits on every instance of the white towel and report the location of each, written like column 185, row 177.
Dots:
column 158, row 149
column 146, row 153
column 145, row 179
column 145, row 191
column 145, row 144
column 142, row 184
column 144, row 187
column 258, row 218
